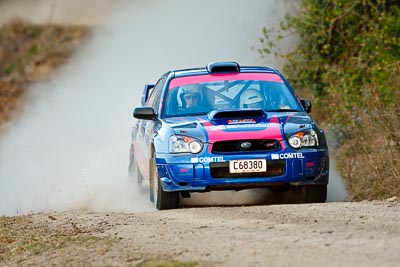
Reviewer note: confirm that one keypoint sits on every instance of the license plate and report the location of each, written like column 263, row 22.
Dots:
column 247, row 165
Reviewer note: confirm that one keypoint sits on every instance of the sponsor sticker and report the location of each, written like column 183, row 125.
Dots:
column 241, row 121
column 207, row 159
column 287, row 156
column 274, row 156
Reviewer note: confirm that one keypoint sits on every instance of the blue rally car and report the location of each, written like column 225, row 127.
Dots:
column 226, row 127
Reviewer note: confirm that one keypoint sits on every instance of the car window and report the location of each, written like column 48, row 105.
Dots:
column 230, row 93
column 155, row 95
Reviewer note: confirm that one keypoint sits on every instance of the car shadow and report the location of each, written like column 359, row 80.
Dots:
column 259, row 196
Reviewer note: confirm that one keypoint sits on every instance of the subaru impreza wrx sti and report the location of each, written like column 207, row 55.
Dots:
column 226, row 127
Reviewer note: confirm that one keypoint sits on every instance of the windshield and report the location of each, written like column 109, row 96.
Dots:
column 197, row 95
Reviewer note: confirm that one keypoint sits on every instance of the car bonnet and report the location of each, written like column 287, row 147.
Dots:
column 240, row 124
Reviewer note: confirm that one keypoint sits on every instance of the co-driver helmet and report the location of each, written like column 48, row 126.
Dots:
column 250, row 97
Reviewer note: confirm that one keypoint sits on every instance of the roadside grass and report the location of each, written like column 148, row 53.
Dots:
column 162, row 263
column 20, row 238
column 26, row 241
column 370, row 158
column 31, row 53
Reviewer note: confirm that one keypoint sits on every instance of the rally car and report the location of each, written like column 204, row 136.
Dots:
column 226, row 127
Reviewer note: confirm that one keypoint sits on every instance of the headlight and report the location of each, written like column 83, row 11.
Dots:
column 184, row 144
column 303, row 139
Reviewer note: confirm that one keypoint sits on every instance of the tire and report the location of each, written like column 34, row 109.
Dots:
column 162, row 200
column 315, row 193
column 151, row 188
column 133, row 168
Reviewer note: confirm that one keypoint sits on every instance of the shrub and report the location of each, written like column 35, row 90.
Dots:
column 347, row 61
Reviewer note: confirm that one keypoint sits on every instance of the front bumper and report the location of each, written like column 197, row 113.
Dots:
column 183, row 172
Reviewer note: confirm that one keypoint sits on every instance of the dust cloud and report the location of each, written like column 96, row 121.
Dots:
column 69, row 149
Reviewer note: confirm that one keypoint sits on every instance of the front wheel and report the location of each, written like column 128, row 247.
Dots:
column 162, row 200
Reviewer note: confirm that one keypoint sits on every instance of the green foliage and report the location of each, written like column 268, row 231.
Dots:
column 33, row 50
column 347, row 50
column 344, row 46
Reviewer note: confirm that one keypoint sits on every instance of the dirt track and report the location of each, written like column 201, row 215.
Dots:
column 330, row 234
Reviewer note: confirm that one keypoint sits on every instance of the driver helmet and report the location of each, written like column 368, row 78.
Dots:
column 251, row 98
column 191, row 89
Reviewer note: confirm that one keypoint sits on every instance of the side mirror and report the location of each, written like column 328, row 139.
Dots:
column 306, row 104
column 144, row 113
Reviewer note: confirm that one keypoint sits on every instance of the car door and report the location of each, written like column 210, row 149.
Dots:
column 146, row 131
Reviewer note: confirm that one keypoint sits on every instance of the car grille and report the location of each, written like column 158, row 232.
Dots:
column 221, row 170
column 245, row 146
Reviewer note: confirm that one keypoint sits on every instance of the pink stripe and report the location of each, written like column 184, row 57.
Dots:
column 270, row 77
column 272, row 132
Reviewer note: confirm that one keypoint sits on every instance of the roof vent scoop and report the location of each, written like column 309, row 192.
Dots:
column 218, row 67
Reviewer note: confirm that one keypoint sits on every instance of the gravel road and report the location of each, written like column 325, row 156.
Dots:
column 330, row 234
